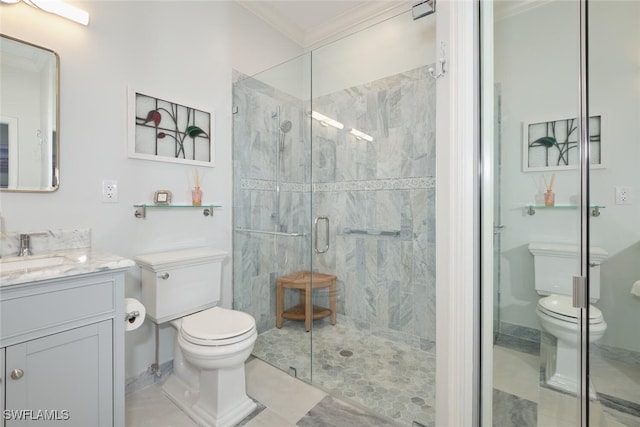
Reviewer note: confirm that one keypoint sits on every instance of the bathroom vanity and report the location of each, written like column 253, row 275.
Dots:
column 62, row 340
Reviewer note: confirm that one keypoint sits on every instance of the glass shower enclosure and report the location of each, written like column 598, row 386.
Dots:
column 334, row 216
column 562, row 349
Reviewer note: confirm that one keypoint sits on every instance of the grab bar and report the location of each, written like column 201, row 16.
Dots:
column 273, row 233
column 371, row 232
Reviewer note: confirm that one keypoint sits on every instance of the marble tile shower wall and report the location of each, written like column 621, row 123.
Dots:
column 385, row 281
column 260, row 258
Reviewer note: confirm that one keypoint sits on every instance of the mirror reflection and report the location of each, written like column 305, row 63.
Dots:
column 29, row 159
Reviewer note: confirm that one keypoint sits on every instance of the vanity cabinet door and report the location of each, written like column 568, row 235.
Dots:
column 66, row 376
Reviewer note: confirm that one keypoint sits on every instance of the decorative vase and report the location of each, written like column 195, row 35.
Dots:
column 196, row 196
column 549, row 198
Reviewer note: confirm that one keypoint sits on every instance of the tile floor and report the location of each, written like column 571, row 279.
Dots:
column 283, row 401
column 372, row 368
column 520, row 400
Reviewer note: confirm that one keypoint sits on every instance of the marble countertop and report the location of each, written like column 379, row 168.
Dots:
column 72, row 262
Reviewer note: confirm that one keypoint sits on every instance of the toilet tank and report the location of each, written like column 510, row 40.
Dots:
column 555, row 265
column 178, row 283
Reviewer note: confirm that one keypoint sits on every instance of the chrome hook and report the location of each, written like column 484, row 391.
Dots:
column 441, row 61
column 439, row 74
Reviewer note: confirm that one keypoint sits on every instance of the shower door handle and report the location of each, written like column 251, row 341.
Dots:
column 315, row 234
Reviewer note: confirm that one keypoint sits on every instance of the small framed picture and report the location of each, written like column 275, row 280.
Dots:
column 162, row 197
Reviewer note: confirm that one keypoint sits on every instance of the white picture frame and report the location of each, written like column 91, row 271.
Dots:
column 551, row 144
column 163, row 129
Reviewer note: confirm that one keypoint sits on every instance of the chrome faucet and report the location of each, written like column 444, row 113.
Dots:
column 25, row 245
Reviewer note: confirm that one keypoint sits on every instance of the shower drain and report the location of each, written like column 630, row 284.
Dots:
column 346, row 353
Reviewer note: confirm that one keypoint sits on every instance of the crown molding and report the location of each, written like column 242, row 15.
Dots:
column 351, row 20
column 269, row 15
column 354, row 19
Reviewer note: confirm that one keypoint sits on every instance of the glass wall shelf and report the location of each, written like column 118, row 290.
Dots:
column 531, row 209
column 141, row 209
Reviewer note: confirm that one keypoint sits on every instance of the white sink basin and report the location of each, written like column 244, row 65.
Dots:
column 19, row 264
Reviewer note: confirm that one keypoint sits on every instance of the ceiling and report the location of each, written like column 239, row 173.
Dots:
column 313, row 22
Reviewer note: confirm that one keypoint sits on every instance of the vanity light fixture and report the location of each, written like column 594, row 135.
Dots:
column 324, row 120
column 361, row 135
column 57, row 7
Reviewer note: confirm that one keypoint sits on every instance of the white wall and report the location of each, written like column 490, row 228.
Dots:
column 391, row 47
column 536, row 66
column 185, row 50
column 384, row 49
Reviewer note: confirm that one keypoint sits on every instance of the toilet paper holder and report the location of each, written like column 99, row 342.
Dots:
column 132, row 315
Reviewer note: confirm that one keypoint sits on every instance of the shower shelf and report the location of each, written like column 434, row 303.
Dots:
column 531, row 209
column 141, row 209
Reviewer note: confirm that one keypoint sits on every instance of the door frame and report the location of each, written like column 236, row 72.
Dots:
column 457, row 213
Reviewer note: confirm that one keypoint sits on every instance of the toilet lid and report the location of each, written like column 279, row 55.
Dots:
column 216, row 324
column 561, row 306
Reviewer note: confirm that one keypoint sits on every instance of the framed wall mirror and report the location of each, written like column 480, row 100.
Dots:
column 29, row 120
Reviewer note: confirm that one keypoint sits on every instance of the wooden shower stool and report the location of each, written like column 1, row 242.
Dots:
column 305, row 281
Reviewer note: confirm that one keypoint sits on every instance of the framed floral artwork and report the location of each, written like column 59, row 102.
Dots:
column 553, row 144
column 168, row 131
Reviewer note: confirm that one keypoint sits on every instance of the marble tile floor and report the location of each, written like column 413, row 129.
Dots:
column 372, row 369
column 283, row 401
column 520, row 400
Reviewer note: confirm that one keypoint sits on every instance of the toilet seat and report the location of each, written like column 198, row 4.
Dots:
column 217, row 327
column 561, row 307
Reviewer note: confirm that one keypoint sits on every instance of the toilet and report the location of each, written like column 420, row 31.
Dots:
column 212, row 343
column 554, row 268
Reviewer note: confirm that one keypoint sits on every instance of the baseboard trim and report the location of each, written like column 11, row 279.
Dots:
column 148, row 378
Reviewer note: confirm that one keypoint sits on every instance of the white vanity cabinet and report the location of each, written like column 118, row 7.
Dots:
column 62, row 354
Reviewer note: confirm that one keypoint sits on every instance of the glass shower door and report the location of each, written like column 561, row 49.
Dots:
column 334, row 216
column 272, row 208
column 614, row 101
column 373, row 167
column 539, row 375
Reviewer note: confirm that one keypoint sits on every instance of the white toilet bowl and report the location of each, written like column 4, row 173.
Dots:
column 558, row 317
column 212, row 343
column 208, row 382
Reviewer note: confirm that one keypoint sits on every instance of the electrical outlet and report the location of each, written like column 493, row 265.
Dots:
column 109, row 190
column 624, row 195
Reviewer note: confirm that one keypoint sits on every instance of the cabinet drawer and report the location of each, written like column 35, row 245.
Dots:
column 46, row 309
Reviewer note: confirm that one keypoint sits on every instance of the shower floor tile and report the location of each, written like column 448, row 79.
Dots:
column 375, row 371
